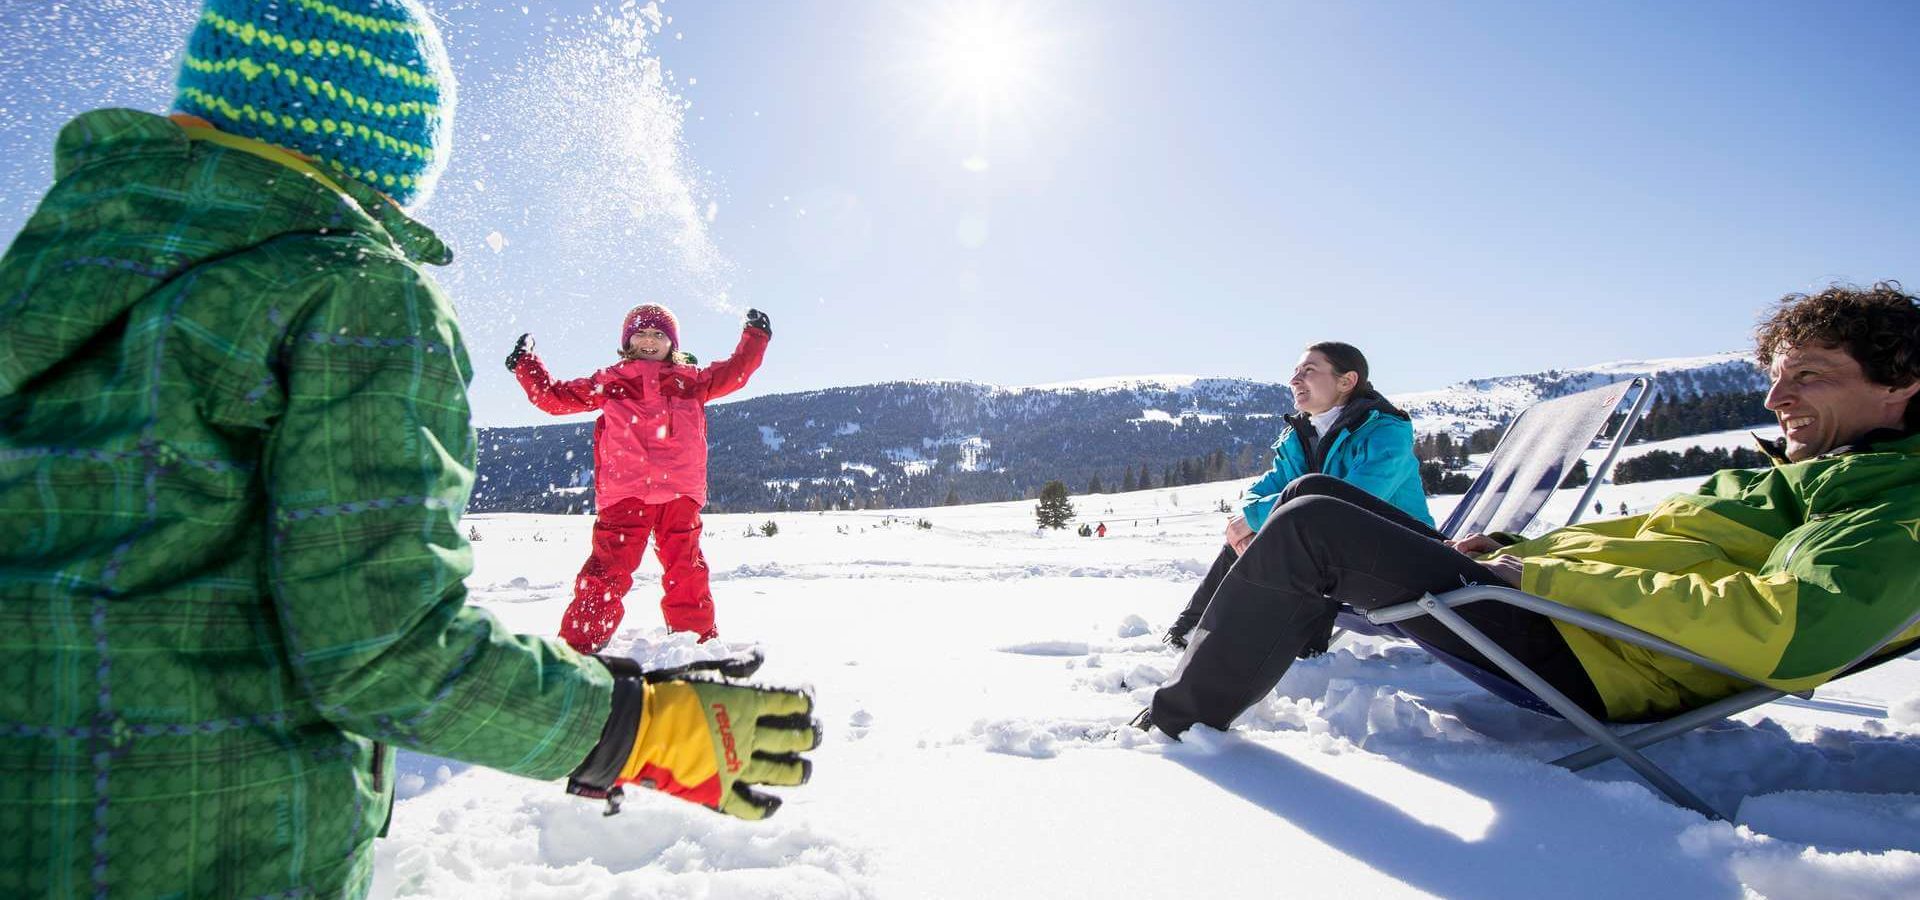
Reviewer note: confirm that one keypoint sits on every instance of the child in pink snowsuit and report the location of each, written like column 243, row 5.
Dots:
column 649, row 465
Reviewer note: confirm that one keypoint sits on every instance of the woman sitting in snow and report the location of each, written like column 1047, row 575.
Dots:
column 1343, row 429
column 649, row 466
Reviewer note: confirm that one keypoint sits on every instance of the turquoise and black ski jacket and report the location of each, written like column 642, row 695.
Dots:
column 1370, row 446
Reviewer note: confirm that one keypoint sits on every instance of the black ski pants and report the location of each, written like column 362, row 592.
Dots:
column 1329, row 543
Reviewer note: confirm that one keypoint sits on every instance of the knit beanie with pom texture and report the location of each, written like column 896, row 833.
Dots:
column 362, row 86
column 651, row 315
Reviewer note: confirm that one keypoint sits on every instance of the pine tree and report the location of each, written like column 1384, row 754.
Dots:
column 1054, row 510
column 1578, row 475
column 953, row 498
column 1128, row 484
column 1247, row 461
column 1093, row 485
column 1146, row 478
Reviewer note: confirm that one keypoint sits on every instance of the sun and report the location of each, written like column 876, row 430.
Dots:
column 982, row 64
column 981, row 54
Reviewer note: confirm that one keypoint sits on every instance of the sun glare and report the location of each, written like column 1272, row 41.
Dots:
column 983, row 63
column 981, row 54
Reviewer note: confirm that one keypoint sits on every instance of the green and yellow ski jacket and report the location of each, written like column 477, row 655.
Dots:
column 1787, row 575
column 234, row 450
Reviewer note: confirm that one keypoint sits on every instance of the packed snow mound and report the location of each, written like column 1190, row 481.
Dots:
column 1835, row 820
column 1906, row 713
column 493, row 835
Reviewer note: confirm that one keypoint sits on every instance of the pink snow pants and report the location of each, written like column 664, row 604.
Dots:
column 619, row 536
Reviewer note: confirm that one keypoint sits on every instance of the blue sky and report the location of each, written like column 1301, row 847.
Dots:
column 1025, row 192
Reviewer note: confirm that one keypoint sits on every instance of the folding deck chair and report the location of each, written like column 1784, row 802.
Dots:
column 1540, row 448
column 1537, row 452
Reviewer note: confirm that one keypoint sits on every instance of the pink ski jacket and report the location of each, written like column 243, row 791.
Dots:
column 651, row 439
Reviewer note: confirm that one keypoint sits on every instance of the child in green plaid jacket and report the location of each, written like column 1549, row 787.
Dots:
column 234, row 451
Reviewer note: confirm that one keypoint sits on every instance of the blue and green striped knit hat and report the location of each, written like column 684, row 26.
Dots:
column 362, row 86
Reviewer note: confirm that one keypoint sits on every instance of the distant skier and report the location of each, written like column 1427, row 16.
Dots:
column 1599, row 510
column 1101, row 531
column 649, row 466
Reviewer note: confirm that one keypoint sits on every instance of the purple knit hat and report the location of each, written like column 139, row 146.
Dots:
column 651, row 315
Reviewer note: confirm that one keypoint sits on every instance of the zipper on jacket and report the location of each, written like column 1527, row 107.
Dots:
column 1812, row 525
column 1340, row 439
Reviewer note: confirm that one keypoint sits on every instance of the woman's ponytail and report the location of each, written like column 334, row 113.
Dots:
column 1345, row 358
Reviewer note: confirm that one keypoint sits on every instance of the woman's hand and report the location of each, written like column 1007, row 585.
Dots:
column 1239, row 536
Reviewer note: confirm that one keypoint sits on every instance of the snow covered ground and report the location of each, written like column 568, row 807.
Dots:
column 974, row 678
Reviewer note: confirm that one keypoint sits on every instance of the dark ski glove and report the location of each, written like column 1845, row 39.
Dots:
column 700, row 740
column 522, row 347
column 758, row 319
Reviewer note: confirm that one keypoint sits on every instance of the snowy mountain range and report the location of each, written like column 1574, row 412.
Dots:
column 1485, row 402
column 918, row 443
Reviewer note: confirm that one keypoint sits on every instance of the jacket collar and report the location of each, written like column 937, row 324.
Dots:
column 331, row 199
column 1881, row 439
column 1357, row 410
column 418, row 242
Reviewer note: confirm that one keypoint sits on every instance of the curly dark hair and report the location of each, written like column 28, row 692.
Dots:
column 1878, row 326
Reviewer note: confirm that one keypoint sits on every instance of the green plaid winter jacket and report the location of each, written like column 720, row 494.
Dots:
column 234, row 450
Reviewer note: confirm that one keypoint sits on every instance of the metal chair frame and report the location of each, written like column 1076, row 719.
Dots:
column 1607, row 744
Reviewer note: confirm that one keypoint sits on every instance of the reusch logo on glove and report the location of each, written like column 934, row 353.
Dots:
column 726, row 736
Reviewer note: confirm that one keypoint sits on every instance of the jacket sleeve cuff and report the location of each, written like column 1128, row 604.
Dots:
column 602, row 766
column 1255, row 511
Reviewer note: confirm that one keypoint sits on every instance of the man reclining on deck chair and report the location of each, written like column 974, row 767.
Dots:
column 1787, row 575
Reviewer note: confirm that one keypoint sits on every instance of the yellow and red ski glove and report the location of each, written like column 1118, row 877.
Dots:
column 702, row 741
